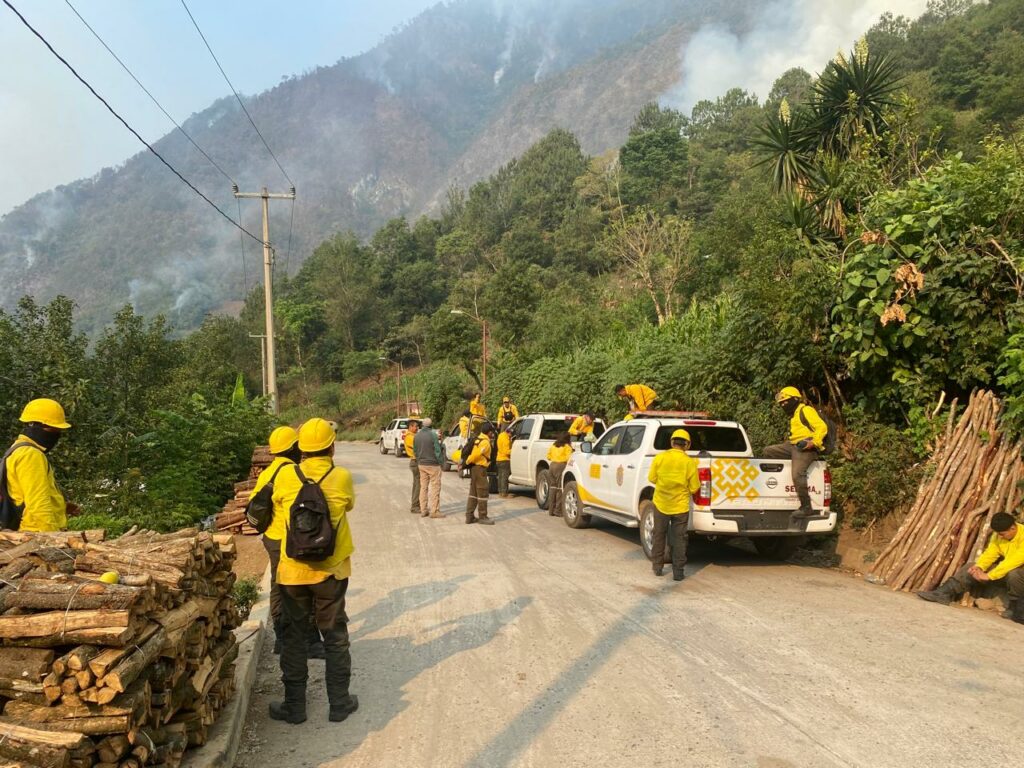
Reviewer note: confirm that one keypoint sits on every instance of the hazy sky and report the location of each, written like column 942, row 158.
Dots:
column 52, row 131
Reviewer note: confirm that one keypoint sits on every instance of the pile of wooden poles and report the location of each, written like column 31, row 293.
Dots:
column 231, row 519
column 976, row 472
column 101, row 675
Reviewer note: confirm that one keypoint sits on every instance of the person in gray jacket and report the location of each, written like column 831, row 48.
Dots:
column 427, row 449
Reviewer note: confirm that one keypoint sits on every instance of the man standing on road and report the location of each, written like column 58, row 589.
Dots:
column 427, row 450
column 639, row 397
column 284, row 447
column 478, row 461
column 504, row 459
column 674, row 474
column 558, row 456
column 807, row 431
column 408, row 439
column 507, row 413
column 31, row 494
column 1003, row 559
column 316, row 590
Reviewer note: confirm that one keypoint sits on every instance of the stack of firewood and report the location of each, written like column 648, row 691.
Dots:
column 975, row 472
column 231, row 519
column 119, row 675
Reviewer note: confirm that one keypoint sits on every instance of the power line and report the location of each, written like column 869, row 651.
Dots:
column 124, row 122
column 146, row 91
column 239, row 98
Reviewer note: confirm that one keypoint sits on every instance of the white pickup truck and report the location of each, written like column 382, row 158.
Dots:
column 740, row 495
column 391, row 437
column 532, row 436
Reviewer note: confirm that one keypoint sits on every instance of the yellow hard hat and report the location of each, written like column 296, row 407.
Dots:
column 681, row 434
column 283, row 439
column 506, row 399
column 45, row 411
column 315, row 435
column 788, row 393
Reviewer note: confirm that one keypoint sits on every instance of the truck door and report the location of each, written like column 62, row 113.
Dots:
column 597, row 476
column 519, row 468
column 623, row 466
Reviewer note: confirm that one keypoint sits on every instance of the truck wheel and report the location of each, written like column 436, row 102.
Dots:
column 647, row 510
column 446, row 466
column 572, row 507
column 777, row 547
column 399, row 450
column 542, row 490
column 383, row 450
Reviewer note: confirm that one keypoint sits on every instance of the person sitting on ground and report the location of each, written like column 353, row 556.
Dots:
column 408, row 441
column 478, row 461
column 429, row 456
column 507, row 413
column 558, row 457
column 504, row 460
column 639, row 397
column 674, row 474
column 33, row 499
column 1002, row 561
column 582, row 426
column 315, row 591
column 807, row 432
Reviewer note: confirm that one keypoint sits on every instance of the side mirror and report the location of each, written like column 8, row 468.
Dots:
column 586, row 447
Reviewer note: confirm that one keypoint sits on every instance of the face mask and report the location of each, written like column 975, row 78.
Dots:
column 790, row 407
column 39, row 434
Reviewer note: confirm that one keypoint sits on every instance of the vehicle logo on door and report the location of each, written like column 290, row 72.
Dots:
column 772, row 483
column 620, row 473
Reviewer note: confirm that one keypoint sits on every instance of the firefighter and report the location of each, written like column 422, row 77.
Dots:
column 408, row 440
column 465, row 422
column 1002, row 561
column 807, row 431
column 558, row 457
column 639, row 397
column 478, row 461
column 507, row 413
column 674, row 474
column 477, row 409
column 315, row 591
column 31, row 488
column 504, row 460
column 582, row 426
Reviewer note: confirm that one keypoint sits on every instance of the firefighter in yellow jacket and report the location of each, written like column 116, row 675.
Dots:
column 316, row 590
column 1002, row 562
column 639, row 397
column 31, row 486
column 478, row 461
column 807, row 431
column 674, row 474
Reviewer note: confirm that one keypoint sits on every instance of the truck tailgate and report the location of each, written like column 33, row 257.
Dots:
column 740, row 484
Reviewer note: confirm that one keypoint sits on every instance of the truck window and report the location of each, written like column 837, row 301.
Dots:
column 403, row 424
column 609, row 444
column 523, row 429
column 552, row 428
column 713, row 439
column 633, row 439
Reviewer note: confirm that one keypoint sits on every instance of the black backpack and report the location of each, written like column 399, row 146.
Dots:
column 260, row 509
column 311, row 536
column 828, row 445
column 10, row 513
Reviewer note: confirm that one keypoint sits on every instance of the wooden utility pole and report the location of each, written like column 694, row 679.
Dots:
column 268, row 289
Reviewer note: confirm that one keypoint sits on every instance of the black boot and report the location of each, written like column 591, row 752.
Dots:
column 806, row 510
column 944, row 594
column 316, row 645
column 341, row 711
column 293, row 708
column 1018, row 611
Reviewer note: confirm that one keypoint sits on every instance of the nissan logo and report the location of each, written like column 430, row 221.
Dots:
column 772, row 483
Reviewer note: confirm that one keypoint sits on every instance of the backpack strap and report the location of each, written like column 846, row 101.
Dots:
column 324, row 477
column 302, row 477
column 277, row 471
column 803, row 418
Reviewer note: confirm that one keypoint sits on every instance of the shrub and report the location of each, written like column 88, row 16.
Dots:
column 246, row 592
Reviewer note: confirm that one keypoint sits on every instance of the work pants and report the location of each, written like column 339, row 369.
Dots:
column 676, row 528
column 430, row 489
column 273, row 547
column 414, row 506
column 800, row 463
column 555, row 488
column 324, row 605
column 504, row 470
column 964, row 582
column 478, row 492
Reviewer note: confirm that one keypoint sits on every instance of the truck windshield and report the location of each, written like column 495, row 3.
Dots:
column 712, row 439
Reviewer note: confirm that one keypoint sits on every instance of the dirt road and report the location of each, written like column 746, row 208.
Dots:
column 531, row 644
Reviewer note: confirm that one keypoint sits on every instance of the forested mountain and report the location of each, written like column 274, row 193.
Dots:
column 447, row 99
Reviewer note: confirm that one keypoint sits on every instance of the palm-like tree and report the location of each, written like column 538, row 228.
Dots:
column 788, row 143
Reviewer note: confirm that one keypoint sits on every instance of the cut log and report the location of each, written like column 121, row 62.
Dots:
column 38, row 747
column 60, row 622
column 129, row 668
column 25, row 663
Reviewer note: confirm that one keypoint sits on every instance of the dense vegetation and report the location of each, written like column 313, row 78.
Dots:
column 857, row 234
